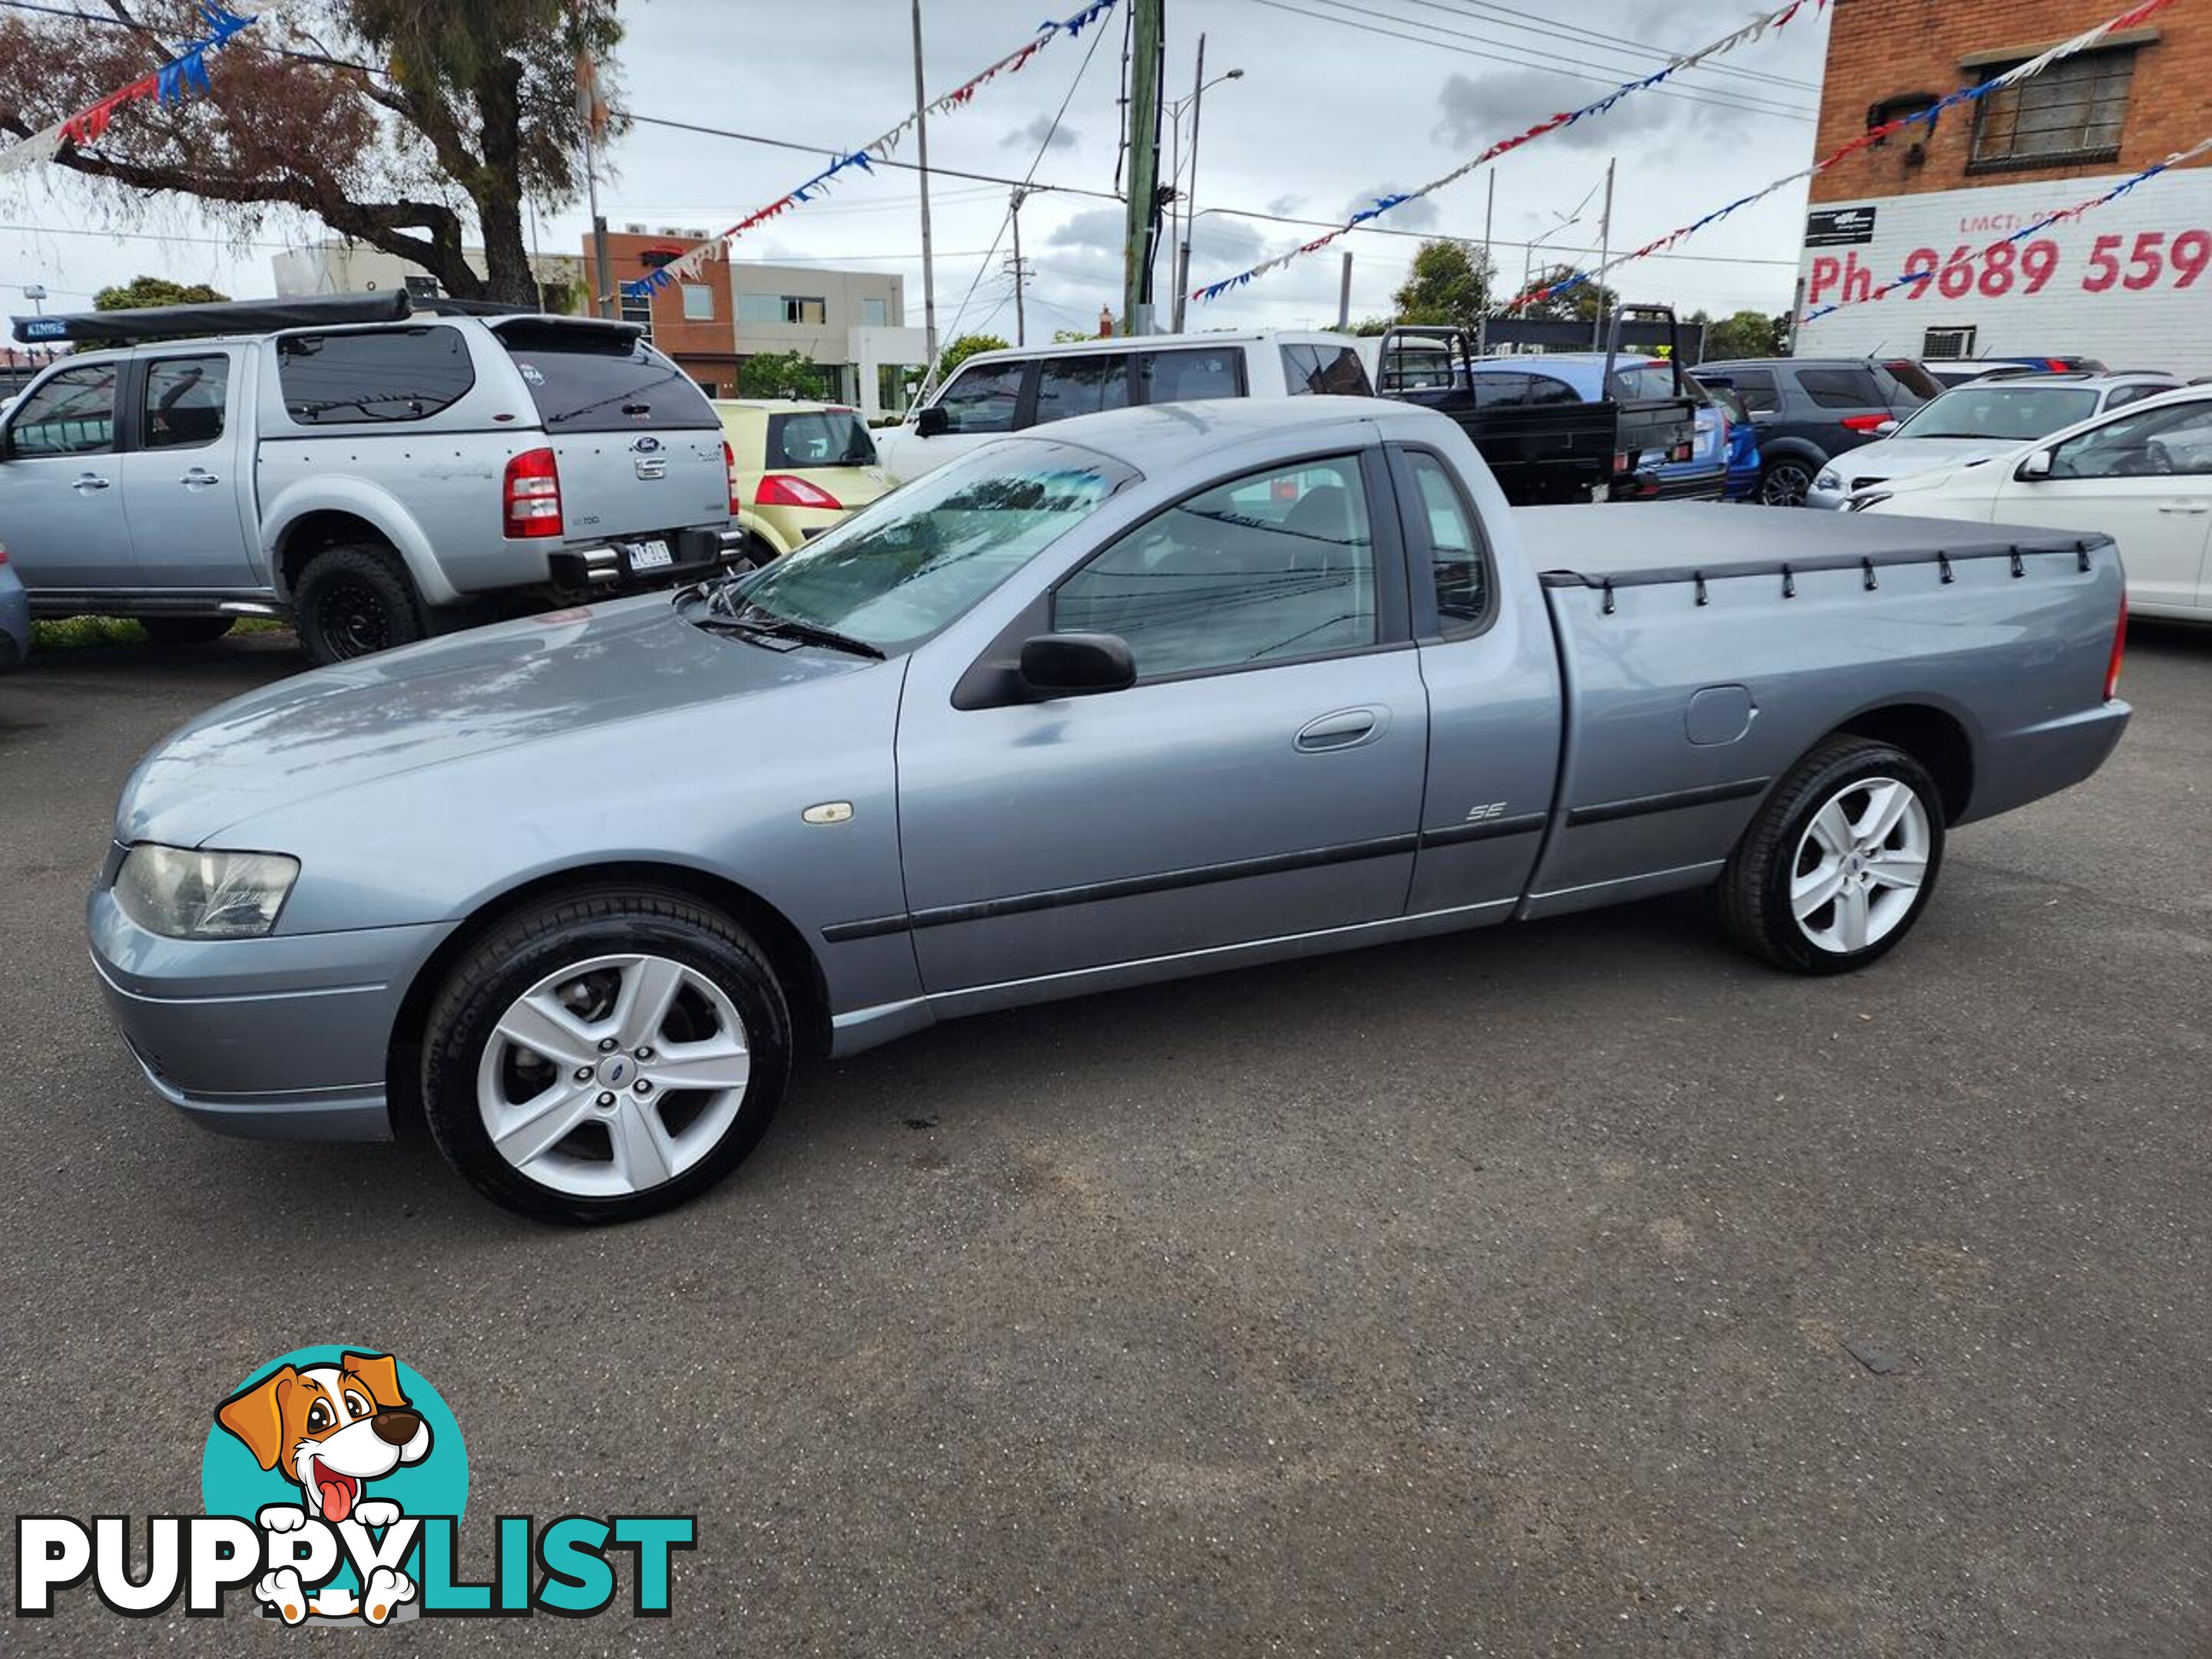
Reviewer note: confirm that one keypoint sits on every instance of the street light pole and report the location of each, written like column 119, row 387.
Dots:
column 1195, row 102
column 36, row 294
column 928, row 263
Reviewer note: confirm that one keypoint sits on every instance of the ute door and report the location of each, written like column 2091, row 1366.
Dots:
column 186, row 476
column 1261, row 780
column 2144, row 478
column 61, row 513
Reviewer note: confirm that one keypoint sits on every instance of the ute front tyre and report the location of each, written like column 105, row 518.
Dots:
column 605, row 1055
column 354, row 600
column 1840, row 861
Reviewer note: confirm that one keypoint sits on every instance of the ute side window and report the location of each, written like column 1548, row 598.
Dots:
column 1444, row 527
column 72, row 413
column 1268, row 568
column 1320, row 370
column 373, row 374
column 184, row 402
column 982, row 397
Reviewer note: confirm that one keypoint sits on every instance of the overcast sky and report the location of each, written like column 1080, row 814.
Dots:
column 1336, row 106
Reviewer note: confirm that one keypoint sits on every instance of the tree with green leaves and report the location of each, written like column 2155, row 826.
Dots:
column 782, row 375
column 961, row 349
column 412, row 125
column 143, row 291
column 1747, row 334
column 1448, row 283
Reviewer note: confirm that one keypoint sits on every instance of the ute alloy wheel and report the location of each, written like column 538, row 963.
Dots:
column 1859, row 864
column 1785, row 483
column 1840, row 861
column 604, row 1054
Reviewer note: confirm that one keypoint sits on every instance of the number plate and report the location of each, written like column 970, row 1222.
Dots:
column 648, row 555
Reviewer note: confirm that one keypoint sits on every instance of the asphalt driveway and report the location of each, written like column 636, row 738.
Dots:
column 1580, row 1288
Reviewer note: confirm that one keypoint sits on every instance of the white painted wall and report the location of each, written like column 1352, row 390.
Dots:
column 2157, row 325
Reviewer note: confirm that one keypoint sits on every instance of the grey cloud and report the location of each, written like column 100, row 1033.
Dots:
column 1475, row 111
column 1041, row 132
column 1286, row 205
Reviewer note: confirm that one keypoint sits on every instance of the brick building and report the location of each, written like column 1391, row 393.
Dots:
column 694, row 321
column 2130, row 281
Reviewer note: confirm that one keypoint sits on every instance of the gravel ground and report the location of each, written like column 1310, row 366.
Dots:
column 1574, row 1288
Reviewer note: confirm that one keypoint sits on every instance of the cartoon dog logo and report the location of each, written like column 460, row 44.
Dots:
column 332, row 1429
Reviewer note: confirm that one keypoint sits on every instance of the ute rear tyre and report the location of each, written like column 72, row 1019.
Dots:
column 604, row 1054
column 1840, row 861
column 185, row 630
column 354, row 600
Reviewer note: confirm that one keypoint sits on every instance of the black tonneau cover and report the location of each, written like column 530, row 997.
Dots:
column 226, row 317
column 1616, row 546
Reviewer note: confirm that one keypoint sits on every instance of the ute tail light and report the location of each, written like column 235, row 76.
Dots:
column 2120, row 650
column 1866, row 422
column 730, row 468
column 533, row 493
column 782, row 490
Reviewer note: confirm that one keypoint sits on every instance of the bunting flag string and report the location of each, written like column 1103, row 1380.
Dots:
column 1935, row 273
column 1759, row 27
column 1872, row 136
column 184, row 75
column 877, row 150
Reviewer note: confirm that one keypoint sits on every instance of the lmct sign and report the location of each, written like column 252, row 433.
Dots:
column 142, row 1568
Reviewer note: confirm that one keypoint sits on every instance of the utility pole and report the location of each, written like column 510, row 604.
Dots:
column 1344, row 295
column 1148, row 27
column 1020, row 271
column 1604, row 253
column 1489, row 211
column 928, row 264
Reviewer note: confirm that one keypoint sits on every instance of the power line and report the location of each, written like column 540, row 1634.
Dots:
column 1510, row 17
column 1517, row 63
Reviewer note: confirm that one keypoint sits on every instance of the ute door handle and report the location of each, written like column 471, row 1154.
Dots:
column 2186, row 507
column 89, row 481
column 1347, row 728
column 198, row 478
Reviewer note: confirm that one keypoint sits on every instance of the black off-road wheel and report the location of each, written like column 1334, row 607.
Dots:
column 1840, row 861
column 605, row 1055
column 185, row 630
column 354, row 600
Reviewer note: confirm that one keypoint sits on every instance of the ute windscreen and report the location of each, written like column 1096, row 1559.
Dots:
column 585, row 379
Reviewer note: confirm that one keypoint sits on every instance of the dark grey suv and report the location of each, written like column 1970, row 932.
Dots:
column 1808, row 410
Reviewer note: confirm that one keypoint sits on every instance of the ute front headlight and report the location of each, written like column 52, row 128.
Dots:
column 186, row 892
column 1829, row 479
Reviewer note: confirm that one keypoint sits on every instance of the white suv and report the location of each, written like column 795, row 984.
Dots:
column 996, row 393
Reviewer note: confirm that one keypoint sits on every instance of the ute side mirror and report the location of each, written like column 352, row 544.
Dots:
column 1885, row 429
column 2036, row 466
column 933, row 422
column 1077, row 665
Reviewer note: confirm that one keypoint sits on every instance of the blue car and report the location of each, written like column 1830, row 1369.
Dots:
column 15, row 616
column 1743, row 462
column 1703, row 477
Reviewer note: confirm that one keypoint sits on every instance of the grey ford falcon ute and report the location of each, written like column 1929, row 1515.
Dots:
column 1143, row 694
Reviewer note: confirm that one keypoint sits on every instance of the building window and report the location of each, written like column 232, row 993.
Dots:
column 874, row 313
column 2071, row 112
column 1945, row 345
column 800, row 309
column 698, row 303
column 638, row 308
column 760, row 308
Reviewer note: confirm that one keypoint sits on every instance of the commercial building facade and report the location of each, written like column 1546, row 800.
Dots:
column 2128, row 282
column 339, row 266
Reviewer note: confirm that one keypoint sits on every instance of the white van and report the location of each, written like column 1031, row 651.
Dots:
column 995, row 393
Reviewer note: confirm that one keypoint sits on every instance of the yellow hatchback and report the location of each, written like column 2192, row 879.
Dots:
column 799, row 468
